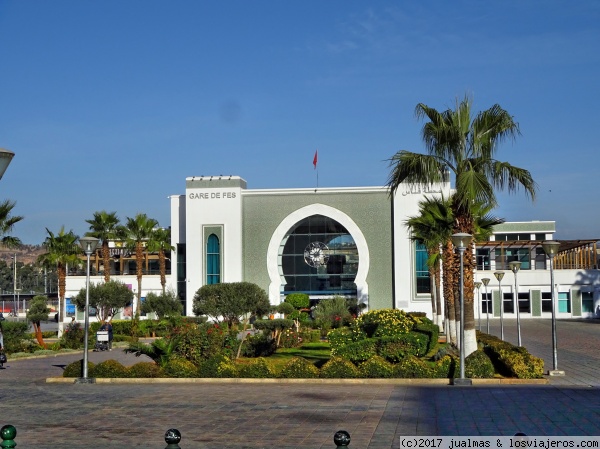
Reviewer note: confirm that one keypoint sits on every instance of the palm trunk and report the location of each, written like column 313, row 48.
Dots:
column 139, row 257
column 62, row 287
column 447, row 263
column 163, row 269
column 438, row 296
column 106, row 260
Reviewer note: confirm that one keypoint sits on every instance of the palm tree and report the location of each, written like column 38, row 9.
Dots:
column 62, row 250
column 136, row 233
column 160, row 242
column 105, row 227
column 7, row 222
column 465, row 146
column 432, row 227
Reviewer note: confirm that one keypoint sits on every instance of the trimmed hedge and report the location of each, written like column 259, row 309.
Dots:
column 510, row 360
column 376, row 368
column 339, row 368
column 109, row 368
column 75, row 369
column 256, row 369
column 299, row 368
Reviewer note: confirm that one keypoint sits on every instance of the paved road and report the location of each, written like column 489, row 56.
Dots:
column 239, row 416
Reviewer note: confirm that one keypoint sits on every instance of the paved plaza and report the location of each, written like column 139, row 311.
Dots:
column 234, row 415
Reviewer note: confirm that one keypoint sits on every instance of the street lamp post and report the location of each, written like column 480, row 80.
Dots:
column 515, row 266
column 88, row 244
column 461, row 242
column 499, row 275
column 478, row 286
column 551, row 249
column 485, row 282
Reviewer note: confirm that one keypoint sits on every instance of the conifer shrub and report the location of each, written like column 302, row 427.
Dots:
column 299, row 368
column 144, row 370
column 339, row 368
column 256, row 369
column 110, row 369
column 75, row 369
column 376, row 367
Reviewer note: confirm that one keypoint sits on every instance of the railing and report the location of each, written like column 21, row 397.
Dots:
column 8, row 434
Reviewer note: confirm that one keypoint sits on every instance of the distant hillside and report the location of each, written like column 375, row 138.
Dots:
column 25, row 253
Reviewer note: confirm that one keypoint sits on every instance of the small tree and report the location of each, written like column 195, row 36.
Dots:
column 164, row 304
column 38, row 312
column 331, row 313
column 108, row 298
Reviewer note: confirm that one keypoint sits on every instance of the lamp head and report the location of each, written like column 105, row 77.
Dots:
column 551, row 247
column 5, row 158
column 485, row 281
column 499, row 275
column 514, row 266
column 88, row 244
column 477, row 285
column 461, row 240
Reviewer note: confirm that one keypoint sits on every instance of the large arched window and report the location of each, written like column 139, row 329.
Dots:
column 213, row 260
column 318, row 256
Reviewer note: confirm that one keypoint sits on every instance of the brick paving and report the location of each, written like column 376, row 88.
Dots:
column 236, row 416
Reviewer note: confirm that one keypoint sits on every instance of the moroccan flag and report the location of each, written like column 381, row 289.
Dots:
column 315, row 159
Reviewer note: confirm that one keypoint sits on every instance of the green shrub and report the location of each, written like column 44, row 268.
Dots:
column 341, row 337
column 510, row 360
column 331, row 313
column 122, row 327
column 144, row 370
column 413, row 367
column 75, row 369
column 376, row 367
column 444, row 367
column 298, row 300
column 109, row 368
column 299, row 368
column 73, row 335
column 358, row 351
column 385, row 323
column 396, row 348
column 180, row 367
column 339, row 368
column 479, row 366
column 258, row 345
column 290, row 339
column 431, row 330
column 16, row 338
column 219, row 366
column 256, row 369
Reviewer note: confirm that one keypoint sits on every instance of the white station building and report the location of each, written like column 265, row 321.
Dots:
column 351, row 242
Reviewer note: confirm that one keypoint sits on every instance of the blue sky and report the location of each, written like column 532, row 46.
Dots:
column 111, row 104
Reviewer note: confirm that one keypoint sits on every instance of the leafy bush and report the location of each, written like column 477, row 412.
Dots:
column 412, row 367
column 479, row 366
column 16, row 338
column 109, row 368
column 510, row 360
column 310, row 335
column 258, row 345
column 219, row 366
column 73, row 335
column 144, row 370
column 256, row 369
column 331, row 313
column 163, row 304
column 75, row 369
column 431, row 330
column 385, row 323
column 298, row 300
column 445, row 367
column 398, row 347
column 285, row 308
column 339, row 368
column 299, row 368
column 198, row 343
column 180, row 367
column 358, row 351
column 341, row 337
column 290, row 339
column 376, row 367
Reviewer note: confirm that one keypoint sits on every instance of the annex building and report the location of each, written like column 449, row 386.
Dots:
column 349, row 241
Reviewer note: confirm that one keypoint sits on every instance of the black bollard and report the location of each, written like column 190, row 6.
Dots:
column 8, row 434
column 341, row 438
column 172, row 438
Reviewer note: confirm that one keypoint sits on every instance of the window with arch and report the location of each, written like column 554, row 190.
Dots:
column 213, row 260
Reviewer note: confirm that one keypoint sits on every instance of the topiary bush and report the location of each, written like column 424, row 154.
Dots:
column 445, row 367
column 299, row 368
column 219, row 366
column 259, row 345
column 75, row 369
column 339, row 368
column 376, row 368
column 256, row 369
column 109, row 368
column 298, row 300
column 396, row 348
column 412, row 367
column 479, row 366
column 180, row 367
column 385, row 323
column 510, row 360
column 144, row 370
column 358, row 351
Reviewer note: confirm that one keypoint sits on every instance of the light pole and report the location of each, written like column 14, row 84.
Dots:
column 499, row 275
column 485, row 282
column 15, row 305
column 89, row 245
column 461, row 242
column 514, row 267
column 478, row 286
column 551, row 249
